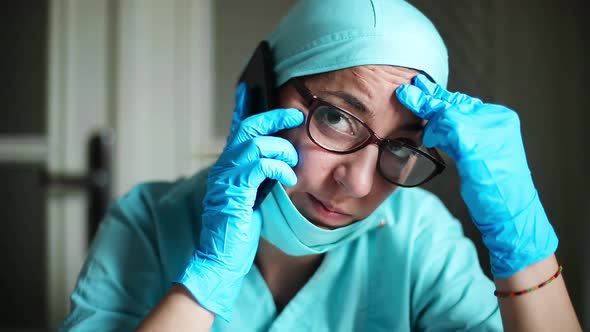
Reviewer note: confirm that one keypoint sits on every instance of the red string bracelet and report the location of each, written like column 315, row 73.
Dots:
column 529, row 290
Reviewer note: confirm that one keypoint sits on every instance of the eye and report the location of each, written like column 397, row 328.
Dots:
column 399, row 149
column 407, row 141
column 336, row 120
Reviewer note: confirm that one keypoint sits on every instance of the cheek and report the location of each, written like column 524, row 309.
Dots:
column 315, row 171
column 314, row 168
column 315, row 164
column 381, row 190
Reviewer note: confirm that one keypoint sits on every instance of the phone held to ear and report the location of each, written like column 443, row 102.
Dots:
column 260, row 80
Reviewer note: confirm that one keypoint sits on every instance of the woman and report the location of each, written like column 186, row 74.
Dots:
column 340, row 243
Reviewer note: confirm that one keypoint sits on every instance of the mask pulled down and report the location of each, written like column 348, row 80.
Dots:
column 292, row 233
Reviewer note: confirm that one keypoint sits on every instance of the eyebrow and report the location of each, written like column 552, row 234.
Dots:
column 357, row 104
column 352, row 101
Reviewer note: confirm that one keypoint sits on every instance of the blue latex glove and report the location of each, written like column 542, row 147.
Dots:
column 230, row 230
column 496, row 184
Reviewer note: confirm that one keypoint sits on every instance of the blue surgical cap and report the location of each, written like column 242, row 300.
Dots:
column 318, row 36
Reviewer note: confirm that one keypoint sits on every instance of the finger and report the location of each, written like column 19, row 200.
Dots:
column 270, row 147
column 441, row 133
column 267, row 123
column 460, row 131
column 277, row 170
column 252, row 174
column 277, row 148
column 420, row 103
column 438, row 92
column 425, row 98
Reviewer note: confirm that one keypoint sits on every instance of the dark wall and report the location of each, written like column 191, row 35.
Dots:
column 528, row 55
column 23, row 66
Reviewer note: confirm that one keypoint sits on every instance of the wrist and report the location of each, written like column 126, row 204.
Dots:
column 520, row 242
column 213, row 289
column 532, row 274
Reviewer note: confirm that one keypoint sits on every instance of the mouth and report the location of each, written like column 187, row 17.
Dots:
column 328, row 216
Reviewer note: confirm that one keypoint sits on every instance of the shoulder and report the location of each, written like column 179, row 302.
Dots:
column 155, row 193
column 419, row 227
column 142, row 243
column 412, row 220
column 442, row 270
column 415, row 196
column 148, row 201
column 164, row 215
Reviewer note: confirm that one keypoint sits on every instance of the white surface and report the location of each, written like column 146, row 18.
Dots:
column 164, row 96
column 77, row 105
column 23, row 149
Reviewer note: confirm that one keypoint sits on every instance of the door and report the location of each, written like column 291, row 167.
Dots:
column 54, row 97
column 74, row 70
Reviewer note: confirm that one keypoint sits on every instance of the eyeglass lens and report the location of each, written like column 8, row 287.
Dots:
column 336, row 130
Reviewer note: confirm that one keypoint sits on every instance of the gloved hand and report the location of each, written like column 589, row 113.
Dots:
column 496, row 184
column 230, row 230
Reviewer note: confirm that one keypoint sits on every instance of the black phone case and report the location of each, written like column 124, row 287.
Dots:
column 260, row 80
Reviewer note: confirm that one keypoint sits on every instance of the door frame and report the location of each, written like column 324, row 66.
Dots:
column 137, row 66
column 79, row 62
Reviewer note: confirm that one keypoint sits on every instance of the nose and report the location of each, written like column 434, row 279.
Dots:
column 357, row 171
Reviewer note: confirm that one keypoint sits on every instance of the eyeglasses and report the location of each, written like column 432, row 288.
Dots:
column 336, row 130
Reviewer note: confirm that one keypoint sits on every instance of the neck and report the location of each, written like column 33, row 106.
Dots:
column 285, row 275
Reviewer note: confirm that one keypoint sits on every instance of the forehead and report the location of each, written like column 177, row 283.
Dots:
column 365, row 78
column 372, row 86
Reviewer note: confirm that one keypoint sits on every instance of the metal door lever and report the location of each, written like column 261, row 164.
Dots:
column 97, row 182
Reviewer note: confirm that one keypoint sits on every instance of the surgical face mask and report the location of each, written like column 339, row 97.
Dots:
column 290, row 231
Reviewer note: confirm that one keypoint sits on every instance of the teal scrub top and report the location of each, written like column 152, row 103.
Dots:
column 415, row 272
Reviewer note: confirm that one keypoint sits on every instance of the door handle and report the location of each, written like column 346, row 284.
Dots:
column 96, row 182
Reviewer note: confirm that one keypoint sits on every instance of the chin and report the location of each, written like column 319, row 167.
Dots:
column 328, row 226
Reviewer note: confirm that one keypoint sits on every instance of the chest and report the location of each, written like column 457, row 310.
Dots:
column 284, row 281
column 348, row 292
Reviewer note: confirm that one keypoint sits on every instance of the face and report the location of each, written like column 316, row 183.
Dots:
column 335, row 190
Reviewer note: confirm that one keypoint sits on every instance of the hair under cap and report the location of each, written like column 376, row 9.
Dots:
column 318, row 36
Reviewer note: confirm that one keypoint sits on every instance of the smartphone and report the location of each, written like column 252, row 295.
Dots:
column 259, row 77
